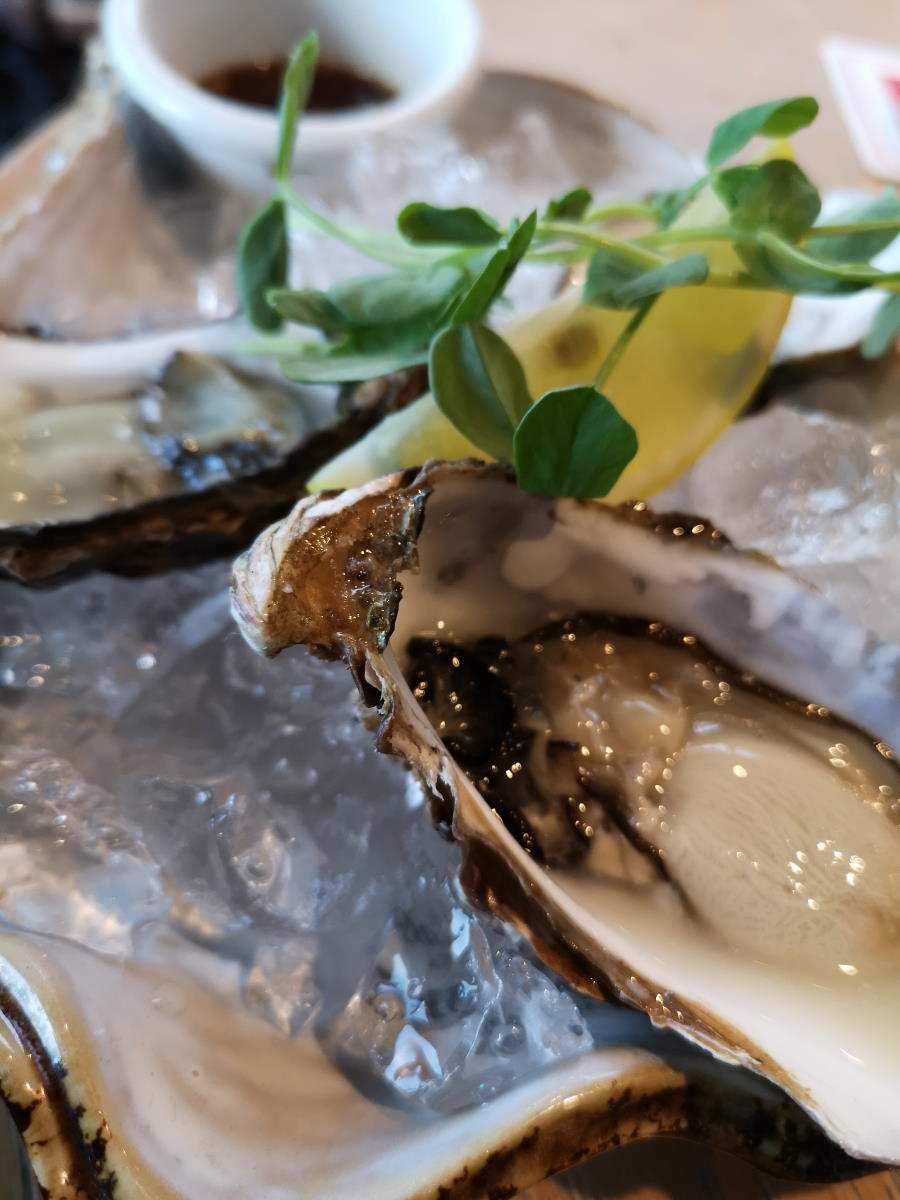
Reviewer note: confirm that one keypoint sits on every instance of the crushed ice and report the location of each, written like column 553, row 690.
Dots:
column 166, row 795
column 814, row 481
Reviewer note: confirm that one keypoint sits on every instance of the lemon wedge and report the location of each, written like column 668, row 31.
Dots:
column 692, row 366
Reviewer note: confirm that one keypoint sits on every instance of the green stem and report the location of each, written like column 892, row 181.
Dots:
column 700, row 233
column 381, row 247
column 619, row 345
column 563, row 231
column 886, row 225
column 621, row 211
column 556, row 256
column 862, row 274
column 748, row 283
column 725, row 233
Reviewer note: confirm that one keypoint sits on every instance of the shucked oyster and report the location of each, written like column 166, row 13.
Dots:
column 103, row 463
column 632, row 729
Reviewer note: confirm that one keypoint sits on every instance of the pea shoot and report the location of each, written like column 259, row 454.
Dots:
column 443, row 269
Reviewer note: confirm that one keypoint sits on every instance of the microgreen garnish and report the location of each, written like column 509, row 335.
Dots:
column 615, row 283
column 570, row 207
column 773, row 195
column 298, row 80
column 479, row 385
column 885, row 329
column 877, row 222
column 668, row 206
column 490, row 282
column 427, row 224
column 572, row 442
column 263, row 263
column 449, row 266
column 775, row 119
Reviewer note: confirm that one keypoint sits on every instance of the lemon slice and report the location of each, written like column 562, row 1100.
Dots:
column 692, row 366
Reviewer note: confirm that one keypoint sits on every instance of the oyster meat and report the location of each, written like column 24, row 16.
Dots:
column 668, row 762
column 129, row 472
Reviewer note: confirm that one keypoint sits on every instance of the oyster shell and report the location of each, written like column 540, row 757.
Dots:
column 743, row 891
column 103, row 466
column 237, row 977
column 102, row 1110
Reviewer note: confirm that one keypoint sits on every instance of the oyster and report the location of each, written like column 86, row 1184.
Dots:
column 104, row 466
column 103, row 1111
column 226, row 944
column 649, row 776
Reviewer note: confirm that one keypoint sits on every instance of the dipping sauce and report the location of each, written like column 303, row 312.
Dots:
column 336, row 87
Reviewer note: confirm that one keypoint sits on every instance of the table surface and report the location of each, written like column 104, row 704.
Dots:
column 682, row 65
column 685, row 64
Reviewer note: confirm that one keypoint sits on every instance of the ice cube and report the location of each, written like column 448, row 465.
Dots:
column 817, row 492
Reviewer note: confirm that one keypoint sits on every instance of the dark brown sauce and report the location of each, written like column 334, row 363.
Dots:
column 336, row 87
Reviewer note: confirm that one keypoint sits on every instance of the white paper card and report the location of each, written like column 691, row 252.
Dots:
column 865, row 77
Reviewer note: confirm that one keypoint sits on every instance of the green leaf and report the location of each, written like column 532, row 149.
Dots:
column 295, row 89
column 483, row 290
column 885, row 329
column 262, row 263
column 797, row 271
column 773, row 195
column 397, row 297
column 570, row 207
column 607, row 271
column 377, row 314
column 518, row 239
column 424, row 223
column 680, row 272
column 479, row 385
column 308, row 307
column 668, row 206
column 863, row 246
column 614, row 281
column 776, row 119
column 496, row 273
column 573, row 442
column 309, row 364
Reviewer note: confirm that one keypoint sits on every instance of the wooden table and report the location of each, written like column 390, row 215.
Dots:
column 684, row 64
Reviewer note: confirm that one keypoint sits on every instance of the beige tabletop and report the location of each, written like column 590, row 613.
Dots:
column 682, row 65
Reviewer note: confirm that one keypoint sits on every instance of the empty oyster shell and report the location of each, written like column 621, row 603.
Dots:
column 739, row 878
column 203, row 1101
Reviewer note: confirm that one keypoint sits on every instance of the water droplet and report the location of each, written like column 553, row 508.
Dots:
column 508, row 1038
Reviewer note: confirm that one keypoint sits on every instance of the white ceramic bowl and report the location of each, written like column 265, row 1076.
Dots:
column 426, row 50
